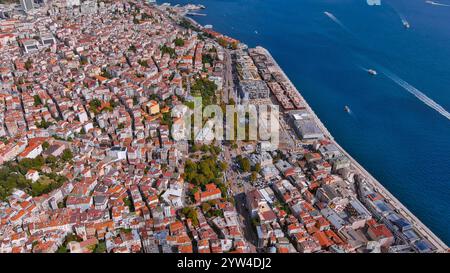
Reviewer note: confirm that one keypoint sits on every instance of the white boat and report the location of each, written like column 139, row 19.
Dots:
column 347, row 109
column 405, row 24
column 329, row 14
column 434, row 3
column 372, row 72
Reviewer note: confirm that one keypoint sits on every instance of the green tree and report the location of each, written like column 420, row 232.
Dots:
column 113, row 103
column 143, row 63
column 28, row 64
column 223, row 166
column 245, row 164
column 207, row 59
column 94, row 105
column 67, row 155
column 106, row 74
column 254, row 176
column 195, row 148
column 191, row 213
column 62, row 249
column 128, row 203
column 43, row 124
column 45, row 145
column 37, row 100
column 179, row 42
column 205, row 89
column 100, row 247
column 168, row 50
column 205, row 207
column 204, row 148
column 132, row 48
column 51, row 160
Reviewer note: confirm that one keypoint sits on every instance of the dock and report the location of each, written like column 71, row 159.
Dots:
column 195, row 14
column 421, row 228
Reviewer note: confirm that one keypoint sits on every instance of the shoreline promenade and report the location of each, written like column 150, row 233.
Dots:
column 402, row 210
column 372, row 181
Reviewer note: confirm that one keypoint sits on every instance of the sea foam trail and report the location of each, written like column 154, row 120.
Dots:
column 434, row 3
column 402, row 17
column 363, row 68
column 417, row 93
column 336, row 20
column 405, row 85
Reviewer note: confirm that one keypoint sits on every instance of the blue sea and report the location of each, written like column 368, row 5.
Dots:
column 398, row 128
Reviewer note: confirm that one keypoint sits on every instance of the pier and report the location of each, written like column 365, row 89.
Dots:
column 421, row 228
column 195, row 14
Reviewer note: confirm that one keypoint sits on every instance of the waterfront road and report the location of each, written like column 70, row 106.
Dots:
column 419, row 226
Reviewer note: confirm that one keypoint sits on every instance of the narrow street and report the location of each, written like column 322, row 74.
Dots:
column 228, row 88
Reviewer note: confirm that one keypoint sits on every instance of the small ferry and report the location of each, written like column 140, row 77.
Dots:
column 437, row 3
column 432, row 2
column 372, row 72
column 405, row 24
column 347, row 109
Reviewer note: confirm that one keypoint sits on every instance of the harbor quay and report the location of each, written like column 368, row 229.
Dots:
column 249, row 91
column 391, row 199
column 91, row 94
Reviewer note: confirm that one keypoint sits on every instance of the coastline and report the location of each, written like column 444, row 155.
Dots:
column 390, row 198
column 372, row 181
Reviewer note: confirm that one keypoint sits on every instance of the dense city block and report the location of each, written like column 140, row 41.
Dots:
column 89, row 165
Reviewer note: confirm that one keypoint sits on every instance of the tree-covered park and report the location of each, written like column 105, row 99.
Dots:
column 206, row 89
column 12, row 175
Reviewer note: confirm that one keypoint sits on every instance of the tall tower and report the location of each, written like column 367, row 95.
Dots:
column 27, row 5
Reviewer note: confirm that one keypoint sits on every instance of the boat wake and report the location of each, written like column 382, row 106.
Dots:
column 368, row 70
column 351, row 114
column 364, row 68
column 402, row 83
column 337, row 21
column 417, row 93
column 402, row 17
column 434, row 3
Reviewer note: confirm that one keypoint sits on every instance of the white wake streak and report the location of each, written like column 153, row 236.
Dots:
column 336, row 20
column 434, row 3
column 408, row 87
column 418, row 94
column 364, row 68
